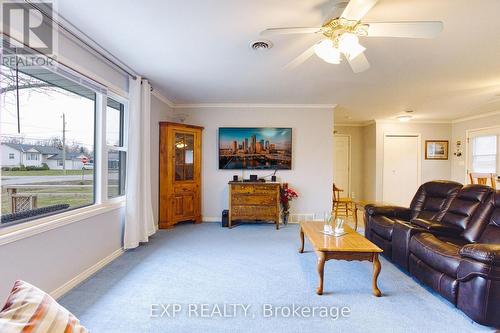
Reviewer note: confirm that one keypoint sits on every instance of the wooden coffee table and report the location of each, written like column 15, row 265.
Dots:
column 351, row 246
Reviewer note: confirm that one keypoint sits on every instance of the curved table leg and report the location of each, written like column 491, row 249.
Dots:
column 376, row 271
column 301, row 250
column 321, row 268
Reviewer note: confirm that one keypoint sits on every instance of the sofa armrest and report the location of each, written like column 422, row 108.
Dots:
column 389, row 211
column 479, row 260
column 438, row 228
column 485, row 253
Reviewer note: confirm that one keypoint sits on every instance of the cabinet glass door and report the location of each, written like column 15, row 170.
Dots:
column 184, row 156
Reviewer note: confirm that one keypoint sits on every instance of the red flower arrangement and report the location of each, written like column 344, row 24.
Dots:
column 287, row 194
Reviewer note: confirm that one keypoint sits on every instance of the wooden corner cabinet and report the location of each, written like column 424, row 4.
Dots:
column 180, row 174
column 254, row 201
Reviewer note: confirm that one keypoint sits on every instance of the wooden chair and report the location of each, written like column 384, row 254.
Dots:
column 340, row 206
column 482, row 178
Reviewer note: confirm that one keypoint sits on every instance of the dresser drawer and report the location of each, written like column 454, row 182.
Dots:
column 254, row 199
column 257, row 189
column 253, row 212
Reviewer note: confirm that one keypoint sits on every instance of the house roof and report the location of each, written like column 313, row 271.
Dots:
column 69, row 156
column 45, row 150
column 56, row 153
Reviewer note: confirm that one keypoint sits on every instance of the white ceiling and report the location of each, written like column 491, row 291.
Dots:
column 198, row 51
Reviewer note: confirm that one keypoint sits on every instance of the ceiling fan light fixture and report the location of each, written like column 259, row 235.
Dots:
column 327, row 51
column 349, row 45
column 404, row 118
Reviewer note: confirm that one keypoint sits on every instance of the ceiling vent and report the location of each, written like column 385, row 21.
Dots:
column 260, row 45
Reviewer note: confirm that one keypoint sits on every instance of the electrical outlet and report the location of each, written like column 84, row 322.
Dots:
column 353, row 195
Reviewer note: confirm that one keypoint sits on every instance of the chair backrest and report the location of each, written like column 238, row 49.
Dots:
column 433, row 199
column 462, row 213
column 483, row 179
column 490, row 233
column 336, row 193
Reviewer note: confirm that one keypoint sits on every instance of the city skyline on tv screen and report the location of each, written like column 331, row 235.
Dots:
column 255, row 148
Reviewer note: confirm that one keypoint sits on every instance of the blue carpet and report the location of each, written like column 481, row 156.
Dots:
column 252, row 265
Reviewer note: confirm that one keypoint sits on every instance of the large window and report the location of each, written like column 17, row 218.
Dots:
column 116, row 147
column 50, row 121
column 55, row 127
column 484, row 150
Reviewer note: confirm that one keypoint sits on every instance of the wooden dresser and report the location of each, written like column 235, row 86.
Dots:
column 254, row 201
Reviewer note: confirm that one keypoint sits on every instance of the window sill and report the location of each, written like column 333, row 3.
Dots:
column 32, row 228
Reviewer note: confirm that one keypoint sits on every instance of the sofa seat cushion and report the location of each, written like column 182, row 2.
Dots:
column 442, row 256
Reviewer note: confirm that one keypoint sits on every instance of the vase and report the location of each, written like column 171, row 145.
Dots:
column 285, row 217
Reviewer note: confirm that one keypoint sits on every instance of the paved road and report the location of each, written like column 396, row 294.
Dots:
column 21, row 180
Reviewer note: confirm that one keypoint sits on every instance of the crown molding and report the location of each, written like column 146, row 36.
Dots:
column 479, row 116
column 255, row 105
column 392, row 121
column 173, row 105
column 162, row 98
column 361, row 124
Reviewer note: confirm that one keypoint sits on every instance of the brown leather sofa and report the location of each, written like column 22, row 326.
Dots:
column 456, row 253
column 430, row 202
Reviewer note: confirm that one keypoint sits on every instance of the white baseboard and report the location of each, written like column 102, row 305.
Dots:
column 294, row 218
column 59, row 292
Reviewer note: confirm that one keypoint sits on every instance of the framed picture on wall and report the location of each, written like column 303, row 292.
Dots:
column 436, row 149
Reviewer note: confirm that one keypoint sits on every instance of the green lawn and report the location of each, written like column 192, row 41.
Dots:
column 45, row 173
column 75, row 197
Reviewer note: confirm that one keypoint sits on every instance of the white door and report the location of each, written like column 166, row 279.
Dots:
column 341, row 173
column 401, row 168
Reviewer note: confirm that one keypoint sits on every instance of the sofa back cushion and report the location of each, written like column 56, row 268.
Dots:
column 468, row 201
column 491, row 232
column 433, row 199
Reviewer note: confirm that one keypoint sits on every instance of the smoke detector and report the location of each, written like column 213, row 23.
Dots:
column 259, row 45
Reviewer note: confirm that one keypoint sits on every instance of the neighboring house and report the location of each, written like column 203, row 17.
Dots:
column 73, row 161
column 15, row 154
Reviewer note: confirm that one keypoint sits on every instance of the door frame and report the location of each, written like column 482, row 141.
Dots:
column 468, row 150
column 349, row 161
column 419, row 153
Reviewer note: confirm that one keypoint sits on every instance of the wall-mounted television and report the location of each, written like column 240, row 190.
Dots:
column 255, row 148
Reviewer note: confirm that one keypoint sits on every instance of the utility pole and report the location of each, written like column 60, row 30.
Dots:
column 64, row 145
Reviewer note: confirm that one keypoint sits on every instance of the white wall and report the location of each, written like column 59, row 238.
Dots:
column 159, row 112
column 312, row 161
column 50, row 259
column 459, row 129
column 5, row 151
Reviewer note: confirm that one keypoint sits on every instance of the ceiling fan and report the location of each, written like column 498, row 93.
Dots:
column 341, row 35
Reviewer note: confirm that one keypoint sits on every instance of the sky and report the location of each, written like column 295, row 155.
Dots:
column 41, row 117
column 278, row 136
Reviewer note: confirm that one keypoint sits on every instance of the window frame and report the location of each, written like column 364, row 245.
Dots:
column 101, row 203
column 124, row 142
column 470, row 135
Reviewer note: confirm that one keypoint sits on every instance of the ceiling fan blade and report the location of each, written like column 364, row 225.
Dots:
column 300, row 59
column 359, row 64
column 357, row 9
column 429, row 29
column 287, row 31
column 336, row 10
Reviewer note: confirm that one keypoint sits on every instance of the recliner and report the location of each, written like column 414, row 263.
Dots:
column 456, row 253
column 430, row 202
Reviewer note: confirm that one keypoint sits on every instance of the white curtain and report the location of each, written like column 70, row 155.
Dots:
column 139, row 222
